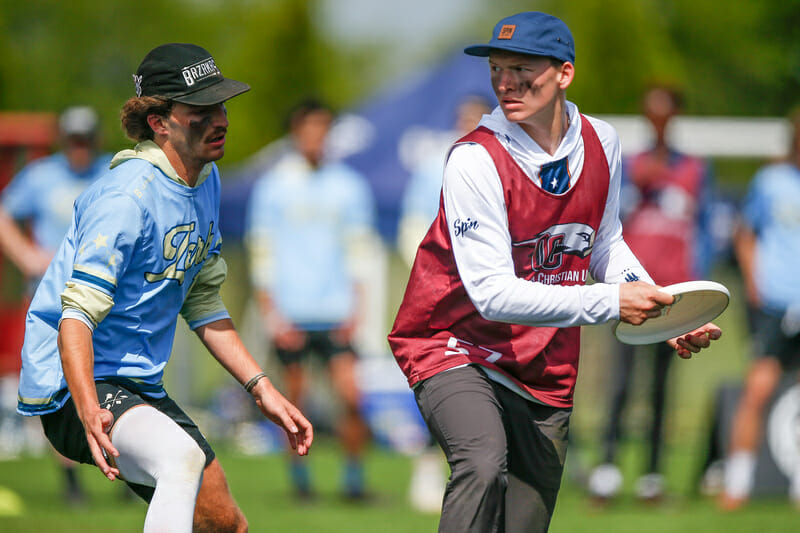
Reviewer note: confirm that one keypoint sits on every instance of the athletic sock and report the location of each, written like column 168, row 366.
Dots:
column 73, row 492
column 354, row 478
column 739, row 472
column 72, row 479
column 794, row 486
column 157, row 452
column 301, row 477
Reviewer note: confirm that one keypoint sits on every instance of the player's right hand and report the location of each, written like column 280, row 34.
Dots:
column 97, row 425
column 639, row 301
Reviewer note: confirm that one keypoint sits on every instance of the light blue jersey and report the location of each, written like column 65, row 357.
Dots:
column 138, row 238
column 307, row 218
column 44, row 192
column 421, row 196
column 772, row 210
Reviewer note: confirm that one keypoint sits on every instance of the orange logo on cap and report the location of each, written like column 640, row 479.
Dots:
column 507, row 31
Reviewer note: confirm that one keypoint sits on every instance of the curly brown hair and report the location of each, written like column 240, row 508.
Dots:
column 135, row 112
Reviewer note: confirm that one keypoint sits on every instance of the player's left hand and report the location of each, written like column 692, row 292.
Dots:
column 284, row 414
column 696, row 340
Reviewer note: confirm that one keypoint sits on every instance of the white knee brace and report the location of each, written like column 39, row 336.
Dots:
column 155, row 451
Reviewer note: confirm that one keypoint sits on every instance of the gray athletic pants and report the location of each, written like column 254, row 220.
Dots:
column 506, row 453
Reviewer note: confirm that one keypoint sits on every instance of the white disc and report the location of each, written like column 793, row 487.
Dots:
column 696, row 303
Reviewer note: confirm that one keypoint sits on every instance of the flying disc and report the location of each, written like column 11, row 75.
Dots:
column 696, row 303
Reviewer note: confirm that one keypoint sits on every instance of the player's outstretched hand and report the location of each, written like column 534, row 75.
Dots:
column 285, row 414
column 696, row 340
column 639, row 301
column 97, row 425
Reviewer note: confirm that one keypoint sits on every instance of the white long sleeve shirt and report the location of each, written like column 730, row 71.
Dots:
column 472, row 190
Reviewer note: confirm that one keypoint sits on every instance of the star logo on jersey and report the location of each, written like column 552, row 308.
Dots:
column 101, row 241
column 555, row 176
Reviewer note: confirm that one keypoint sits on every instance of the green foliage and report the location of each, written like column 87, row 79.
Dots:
column 730, row 59
column 741, row 59
column 57, row 54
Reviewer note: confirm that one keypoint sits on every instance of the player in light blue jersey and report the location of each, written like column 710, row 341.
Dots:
column 420, row 202
column 143, row 248
column 310, row 223
column 43, row 192
column 767, row 247
column 41, row 195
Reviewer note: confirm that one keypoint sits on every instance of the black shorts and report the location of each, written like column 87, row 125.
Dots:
column 65, row 431
column 769, row 339
column 321, row 343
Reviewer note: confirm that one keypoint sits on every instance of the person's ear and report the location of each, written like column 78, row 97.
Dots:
column 157, row 124
column 566, row 74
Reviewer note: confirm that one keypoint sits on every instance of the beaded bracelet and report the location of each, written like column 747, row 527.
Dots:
column 252, row 383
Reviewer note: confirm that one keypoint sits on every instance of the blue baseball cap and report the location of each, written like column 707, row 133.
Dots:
column 531, row 33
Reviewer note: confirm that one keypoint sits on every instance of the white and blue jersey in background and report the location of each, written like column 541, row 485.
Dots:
column 421, row 196
column 138, row 240
column 44, row 192
column 301, row 224
column 772, row 211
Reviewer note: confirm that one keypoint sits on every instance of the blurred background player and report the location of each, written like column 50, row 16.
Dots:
column 767, row 245
column 43, row 193
column 40, row 196
column 309, row 223
column 665, row 210
column 420, row 201
column 419, row 207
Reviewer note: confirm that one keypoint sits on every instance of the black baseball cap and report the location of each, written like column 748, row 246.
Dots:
column 532, row 33
column 184, row 73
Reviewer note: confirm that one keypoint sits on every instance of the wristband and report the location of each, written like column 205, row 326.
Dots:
column 252, row 383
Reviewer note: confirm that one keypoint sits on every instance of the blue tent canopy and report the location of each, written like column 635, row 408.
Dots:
column 427, row 99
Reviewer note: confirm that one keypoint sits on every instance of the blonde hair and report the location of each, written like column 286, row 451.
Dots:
column 135, row 112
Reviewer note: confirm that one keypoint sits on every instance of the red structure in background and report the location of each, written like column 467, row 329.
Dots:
column 23, row 138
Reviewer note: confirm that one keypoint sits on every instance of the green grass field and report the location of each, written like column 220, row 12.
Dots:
column 259, row 484
column 30, row 499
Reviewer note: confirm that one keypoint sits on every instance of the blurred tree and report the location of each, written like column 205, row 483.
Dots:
column 738, row 60
column 738, row 57
column 58, row 53
column 741, row 59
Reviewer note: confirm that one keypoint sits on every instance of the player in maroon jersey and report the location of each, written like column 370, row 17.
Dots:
column 487, row 332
